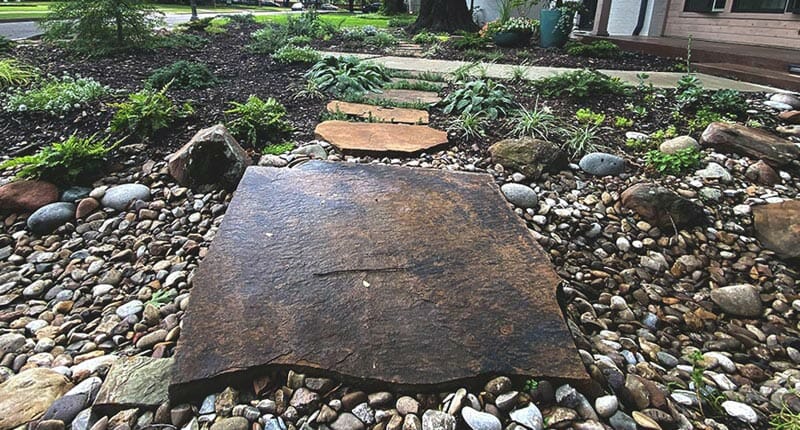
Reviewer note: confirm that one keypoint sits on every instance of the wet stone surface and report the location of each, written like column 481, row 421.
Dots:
column 441, row 249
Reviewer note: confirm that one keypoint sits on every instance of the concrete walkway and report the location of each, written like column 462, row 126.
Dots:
column 658, row 79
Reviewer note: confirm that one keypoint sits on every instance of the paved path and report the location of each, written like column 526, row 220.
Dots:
column 29, row 29
column 659, row 79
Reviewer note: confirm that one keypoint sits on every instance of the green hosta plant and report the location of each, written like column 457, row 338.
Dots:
column 63, row 162
column 14, row 73
column 338, row 76
column 258, row 122
column 56, row 95
column 182, row 74
column 146, row 112
column 673, row 164
column 488, row 97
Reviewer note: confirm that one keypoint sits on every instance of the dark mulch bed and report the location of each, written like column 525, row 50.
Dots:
column 241, row 74
column 532, row 56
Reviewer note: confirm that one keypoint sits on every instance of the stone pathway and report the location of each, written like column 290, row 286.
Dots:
column 378, row 113
column 658, row 79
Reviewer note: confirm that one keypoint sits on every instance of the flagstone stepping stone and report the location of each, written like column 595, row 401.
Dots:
column 378, row 113
column 134, row 382
column 406, row 96
column 379, row 137
column 376, row 275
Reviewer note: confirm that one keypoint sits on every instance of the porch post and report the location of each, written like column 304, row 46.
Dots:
column 601, row 18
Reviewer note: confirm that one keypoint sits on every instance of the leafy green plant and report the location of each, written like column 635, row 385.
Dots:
column 709, row 395
column 673, row 164
column 468, row 125
column 161, row 298
column 309, row 24
column 182, row 74
column 147, row 111
column 728, row 101
column 101, row 27
column 622, row 122
column 580, row 140
column 299, row 40
column 596, row 49
column 338, row 76
column 15, row 73
column 381, row 39
column 519, row 72
column 258, row 121
column 659, row 136
column 56, row 95
column 580, row 84
column 785, row 419
column 218, row 25
column 587, row 116
column 63, row 162
column 531, row 385
column 269, row 39
column 467, row 40
column 292, row 54
column 537, row 122
column 479, row 96
column 425, row 38
column 704, row 117
column 278, row 148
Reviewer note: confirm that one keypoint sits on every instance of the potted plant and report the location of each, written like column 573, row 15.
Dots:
column 508, row 31
column 556, row 22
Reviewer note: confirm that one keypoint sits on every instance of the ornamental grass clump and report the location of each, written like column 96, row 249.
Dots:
column 56, row 95
column 14, row 73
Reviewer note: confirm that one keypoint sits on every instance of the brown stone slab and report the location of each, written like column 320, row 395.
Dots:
column 379, row 137
column 417, row 278
column 406, row 96
column 379, row 113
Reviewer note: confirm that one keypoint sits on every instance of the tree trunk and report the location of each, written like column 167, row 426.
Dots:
column 393, row 7
column 444, row 16
column 350, row 5
column 119, row 22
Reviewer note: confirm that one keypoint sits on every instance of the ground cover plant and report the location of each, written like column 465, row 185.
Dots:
column 182, row 74
column 56, row 95
column 146, row 112
column 580, row 84
column 342, row 75
column 63, row 162
column 258, row 122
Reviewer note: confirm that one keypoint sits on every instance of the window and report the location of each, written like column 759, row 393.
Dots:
column 704, row 5
column 773, row 6
column 795, row 7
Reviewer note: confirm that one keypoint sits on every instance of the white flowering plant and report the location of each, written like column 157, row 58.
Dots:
column 56, row 95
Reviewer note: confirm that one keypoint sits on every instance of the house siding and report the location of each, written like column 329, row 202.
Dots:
column 625, row 13
column 767, row 29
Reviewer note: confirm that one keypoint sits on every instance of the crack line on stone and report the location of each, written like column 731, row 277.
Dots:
column 377, row 269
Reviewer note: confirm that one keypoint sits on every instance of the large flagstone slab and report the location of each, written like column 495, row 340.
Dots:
column 406, row 96
column 379, row 113
column 421, row 279
column 379, row 137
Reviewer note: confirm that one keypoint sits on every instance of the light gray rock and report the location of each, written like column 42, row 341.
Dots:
column 347, row 421
column 606, row 405
column 622, row 421
column 672, row 146
column 740, row 300
column 530, row 416
column 437, row 420
column 777, row 105
column 715, row 171
column 407, row 405
column 520, row 195
column 602, row 164
column 121, row 196
column 11, row 342
column 314, row 150
column 477, row 420
column 131, row 308
column 49, row 217
column 269, row 160
column 789, row 99
column 740, row 411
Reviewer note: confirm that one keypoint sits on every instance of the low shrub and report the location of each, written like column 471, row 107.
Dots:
column 56, row 95
column 293, row 54
column 487, row 97
column 309, row 24
column 299, row 40
column 14, row 73
column 673, row 164
column 218, row 25
column 597, row 49
column 182, row 74
column 269, row 39
column 146, row 112
column 587, row 116
column 425, row 38
column 64, row 162
column 258, row 122
column 343, row 75
column 580, row 84
column 368, row 35
column 467, row 40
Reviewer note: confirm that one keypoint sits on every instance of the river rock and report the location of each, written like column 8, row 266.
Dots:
column 777, row 105
column 86, row 207
column 73, row 194
column 49, row 217
column 27, row 196
column 789, row 99
column 477, row 420
column 212, row 157
column 135, row 382
column 530, row 416
column 715, row 171
column 672, row 146
column 662, row 206
column 520, row 195
column 790, row 116
column 740, row 411
column 347, row 421
column 602, row 164
column 761, row 173
column 777, row 226
column 11, row 342
column 437, row 420
column 740, row 300
column 232, row 423
column 27, row 395
column 529, row 156
column 752, row 142
column 121, row 196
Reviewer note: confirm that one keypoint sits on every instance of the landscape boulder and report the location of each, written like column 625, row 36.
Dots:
column 529, row 156
column 121, row 196
column 786, row 98
column 777, row 226
column 602, row 164
column 761, row 173
column 751, row 142
column 661, row 206
column 27, row 196
column 27, row 395
column 212, row 157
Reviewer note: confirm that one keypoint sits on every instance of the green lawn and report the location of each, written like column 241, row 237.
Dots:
column 346, row 19
column 38, row 10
